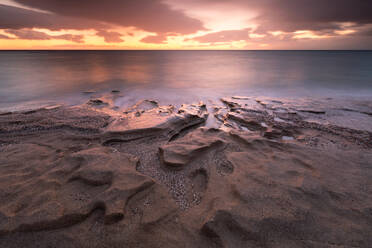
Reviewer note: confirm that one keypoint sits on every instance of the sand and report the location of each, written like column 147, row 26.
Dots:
column 245, row 172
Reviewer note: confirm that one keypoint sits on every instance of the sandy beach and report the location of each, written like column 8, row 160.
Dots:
column 244, row 172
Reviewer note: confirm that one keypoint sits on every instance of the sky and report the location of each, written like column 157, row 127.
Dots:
column 186, row 24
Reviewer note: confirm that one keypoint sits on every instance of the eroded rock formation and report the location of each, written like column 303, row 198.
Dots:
column 269, row 173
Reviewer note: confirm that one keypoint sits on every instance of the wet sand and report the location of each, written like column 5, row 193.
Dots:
column 244, row 172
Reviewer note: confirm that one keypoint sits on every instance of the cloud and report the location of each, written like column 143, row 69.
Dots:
column 148, row 15
column 2, row 36
column 316, row 14
column 110, row 37
column 311, row 19
column 365, row 30
column 27, row 34
column 155, row 39
column 290, row 15
column 295, row 23
column 224, row 36
column 18, row 18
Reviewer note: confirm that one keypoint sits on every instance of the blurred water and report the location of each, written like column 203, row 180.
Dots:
column 31, row 77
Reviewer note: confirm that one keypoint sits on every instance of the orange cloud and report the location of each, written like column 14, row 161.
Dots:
column 110, row 37
column 192, row 24
column 28, row 34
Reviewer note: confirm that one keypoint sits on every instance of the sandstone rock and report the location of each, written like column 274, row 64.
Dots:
column 59, row 187
column 183, row 151
column 159, row 120
column 97, row 102
column 251, row 123
column 313, row 111
column 142, row 106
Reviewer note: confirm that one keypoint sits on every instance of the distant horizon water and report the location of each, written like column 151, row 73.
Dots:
column 185, row 50
column 32, row 78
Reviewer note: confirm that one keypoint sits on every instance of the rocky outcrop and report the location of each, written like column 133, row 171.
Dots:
column 181, row 152
column 266, row 174
column 64, row 192
column 147, row 119
column 58, row 118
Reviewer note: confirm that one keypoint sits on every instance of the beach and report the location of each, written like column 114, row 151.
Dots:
column 186, row 124
column 242, row 171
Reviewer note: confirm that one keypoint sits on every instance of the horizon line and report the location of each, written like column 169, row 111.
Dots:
column 2, row 50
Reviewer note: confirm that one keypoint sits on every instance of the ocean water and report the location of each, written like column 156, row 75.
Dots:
column 32, row 78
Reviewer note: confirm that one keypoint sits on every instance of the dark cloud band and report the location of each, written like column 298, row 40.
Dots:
column 148, row 15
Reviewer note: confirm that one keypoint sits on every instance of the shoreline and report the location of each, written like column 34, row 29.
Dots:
column 245, row 172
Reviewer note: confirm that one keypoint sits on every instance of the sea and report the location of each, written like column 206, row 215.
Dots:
column 30, row 79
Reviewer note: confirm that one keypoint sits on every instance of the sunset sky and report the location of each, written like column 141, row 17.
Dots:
column 188, row 24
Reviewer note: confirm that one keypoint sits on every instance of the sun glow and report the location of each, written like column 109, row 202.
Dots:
column 223, row 25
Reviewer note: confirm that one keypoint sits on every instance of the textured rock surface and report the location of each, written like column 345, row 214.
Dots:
column 270, row 174
column 163, row 120
column 180, row 153
column 63, row 191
